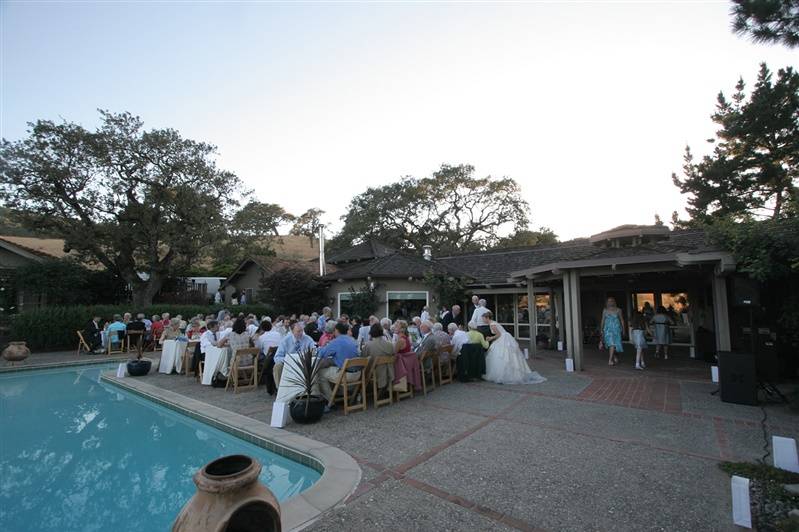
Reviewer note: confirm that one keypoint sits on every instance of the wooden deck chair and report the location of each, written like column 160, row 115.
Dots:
column 445, row 371
column 191, row 346
column 82, row 343
column 432, row 356
column 244, row 368
column 110, row 337
column 376, row 363
column 135, row 341
column 345, row 385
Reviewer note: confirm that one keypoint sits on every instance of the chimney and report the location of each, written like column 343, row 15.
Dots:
column 321, row 250
column 427, row 252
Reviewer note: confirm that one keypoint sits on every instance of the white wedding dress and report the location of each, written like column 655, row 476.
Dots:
column 505, row 363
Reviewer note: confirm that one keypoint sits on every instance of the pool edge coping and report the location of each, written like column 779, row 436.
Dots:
column 340, row 473
column 68, row 364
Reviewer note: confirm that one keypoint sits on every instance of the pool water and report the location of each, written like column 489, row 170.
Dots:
column 80, row 454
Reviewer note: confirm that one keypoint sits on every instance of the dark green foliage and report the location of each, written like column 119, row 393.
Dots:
column 134, row 201
column 766, row 250
column 768, row 21
column 527, row 238
column 65, row 282
column 364, row 301
column 451, row 290
column 452, row 211
column 53, row 328
column 754, row 168
column 293, row 290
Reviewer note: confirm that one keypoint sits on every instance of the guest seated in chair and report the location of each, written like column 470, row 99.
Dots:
column 378, row 346
column 328, row 335
column 136, row 330
column 295, row 342
column 92, row 334
column 476, row 337
column 457, row 338
column 116, row 331
column 172, row 332
column 427, row 342
column 208, row 339
column 333, row 355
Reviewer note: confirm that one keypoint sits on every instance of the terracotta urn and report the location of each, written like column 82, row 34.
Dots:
column 229, row 498
column 16, row 352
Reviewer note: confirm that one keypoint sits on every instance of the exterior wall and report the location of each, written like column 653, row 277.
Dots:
column 250, row 278
column 383, row 286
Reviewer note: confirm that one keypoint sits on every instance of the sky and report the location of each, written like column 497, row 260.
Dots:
column 587, row 105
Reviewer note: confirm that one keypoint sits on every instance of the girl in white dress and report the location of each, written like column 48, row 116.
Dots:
column 505, row 363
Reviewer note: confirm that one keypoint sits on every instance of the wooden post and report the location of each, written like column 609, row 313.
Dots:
column 566, row 318
column 576, row 319
column 531, row 314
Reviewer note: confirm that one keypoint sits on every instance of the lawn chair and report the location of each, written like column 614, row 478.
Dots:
column 267, row 373
column 136, row 340
column 82, row 343
column 360, row 384
column 432, row 356
column 376, row 363
column 244, row 367
column 444, row 364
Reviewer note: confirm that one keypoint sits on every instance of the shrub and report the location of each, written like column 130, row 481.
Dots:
column 53, row 328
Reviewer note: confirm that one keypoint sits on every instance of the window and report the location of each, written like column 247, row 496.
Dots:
column 405, row 305
column 344, row 303
column 505, row 310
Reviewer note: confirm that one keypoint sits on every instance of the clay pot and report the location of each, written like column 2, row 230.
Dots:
column 230, row 498
column 16, row 352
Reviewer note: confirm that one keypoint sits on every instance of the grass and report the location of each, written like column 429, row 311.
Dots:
column 771, row 502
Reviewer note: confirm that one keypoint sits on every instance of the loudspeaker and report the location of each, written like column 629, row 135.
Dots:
column 768, row 364
column 737, row 378
column 745, row 292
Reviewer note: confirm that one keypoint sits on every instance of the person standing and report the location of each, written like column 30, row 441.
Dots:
column 638, row 328
column 661, row 335
column 612, row 325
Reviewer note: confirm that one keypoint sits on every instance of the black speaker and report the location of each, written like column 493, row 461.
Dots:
column 737, row 378
column 745, row 292
column 768, row 363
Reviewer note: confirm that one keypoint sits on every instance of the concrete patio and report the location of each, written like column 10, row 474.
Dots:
column 608, row 448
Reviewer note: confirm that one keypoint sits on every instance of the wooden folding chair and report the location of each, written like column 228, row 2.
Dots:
column 360, row 384
column 82, row 343
column 244, row 363
column 432, row 357
column 135, row 341
column 267, row 367
column 191, row 346
column 442, row 364
column 376, row 363
column 110, row 337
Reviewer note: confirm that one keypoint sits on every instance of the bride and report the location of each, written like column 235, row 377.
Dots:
column 505, row 363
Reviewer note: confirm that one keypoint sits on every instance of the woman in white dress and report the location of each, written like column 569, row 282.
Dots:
column 505, row 362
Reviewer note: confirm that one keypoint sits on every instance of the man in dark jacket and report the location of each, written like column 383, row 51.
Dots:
column 92, row 334
column 453, row 316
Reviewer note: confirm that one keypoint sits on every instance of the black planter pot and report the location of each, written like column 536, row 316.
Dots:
column 315, row 409
column 137, row 368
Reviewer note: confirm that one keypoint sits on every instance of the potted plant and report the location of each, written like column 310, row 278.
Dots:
column 303, row 372
column 139, row 366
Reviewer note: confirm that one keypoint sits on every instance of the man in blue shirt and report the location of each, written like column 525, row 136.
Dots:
column 116, row 331
column 295, row 342
column 336, row 352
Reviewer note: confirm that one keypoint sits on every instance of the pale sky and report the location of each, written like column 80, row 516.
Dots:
column 588, row 105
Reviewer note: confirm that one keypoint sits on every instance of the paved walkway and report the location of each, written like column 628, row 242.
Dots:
column 603, row 449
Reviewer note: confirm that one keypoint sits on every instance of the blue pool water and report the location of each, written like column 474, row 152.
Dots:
column 79, row 454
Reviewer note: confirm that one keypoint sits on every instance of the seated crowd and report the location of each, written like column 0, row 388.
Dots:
column 335, row 341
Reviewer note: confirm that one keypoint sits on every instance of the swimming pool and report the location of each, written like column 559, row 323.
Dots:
column 80, row 454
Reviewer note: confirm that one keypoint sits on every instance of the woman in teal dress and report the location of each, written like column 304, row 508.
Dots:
column 612, row 325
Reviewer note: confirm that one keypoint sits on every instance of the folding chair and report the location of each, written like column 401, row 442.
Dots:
column 114, row 335
column 136, row 339
column 441, row 364
column 82, row 343
column 188, row 354
column 267, row 375
column 376, row 363
column 360, row 384
column 433, row 358
column 244, row 363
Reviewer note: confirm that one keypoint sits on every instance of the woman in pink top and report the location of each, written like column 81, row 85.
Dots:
column 330, row 325
column 406, row 364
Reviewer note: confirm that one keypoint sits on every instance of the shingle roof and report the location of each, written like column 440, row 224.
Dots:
column 367, row 250
column 494, row 267
column 396, row 265
column 52, row 248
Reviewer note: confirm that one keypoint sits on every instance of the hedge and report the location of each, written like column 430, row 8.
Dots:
column 53, row 328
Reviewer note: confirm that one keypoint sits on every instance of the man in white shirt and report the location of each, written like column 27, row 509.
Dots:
column 363, row 332
column 425, row 314
column 479, row 310
column 271, row 338
column 251, row 326
column 209, row 338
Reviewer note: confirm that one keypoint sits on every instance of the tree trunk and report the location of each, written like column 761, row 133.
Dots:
column 143, row 292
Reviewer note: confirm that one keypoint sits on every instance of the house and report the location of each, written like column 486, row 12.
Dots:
column 17, row 252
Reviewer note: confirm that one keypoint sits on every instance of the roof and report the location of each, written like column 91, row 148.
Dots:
column 49, row 248
column 270, row 265
column 367, row 250
column 395, row 265
column 496, row 267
